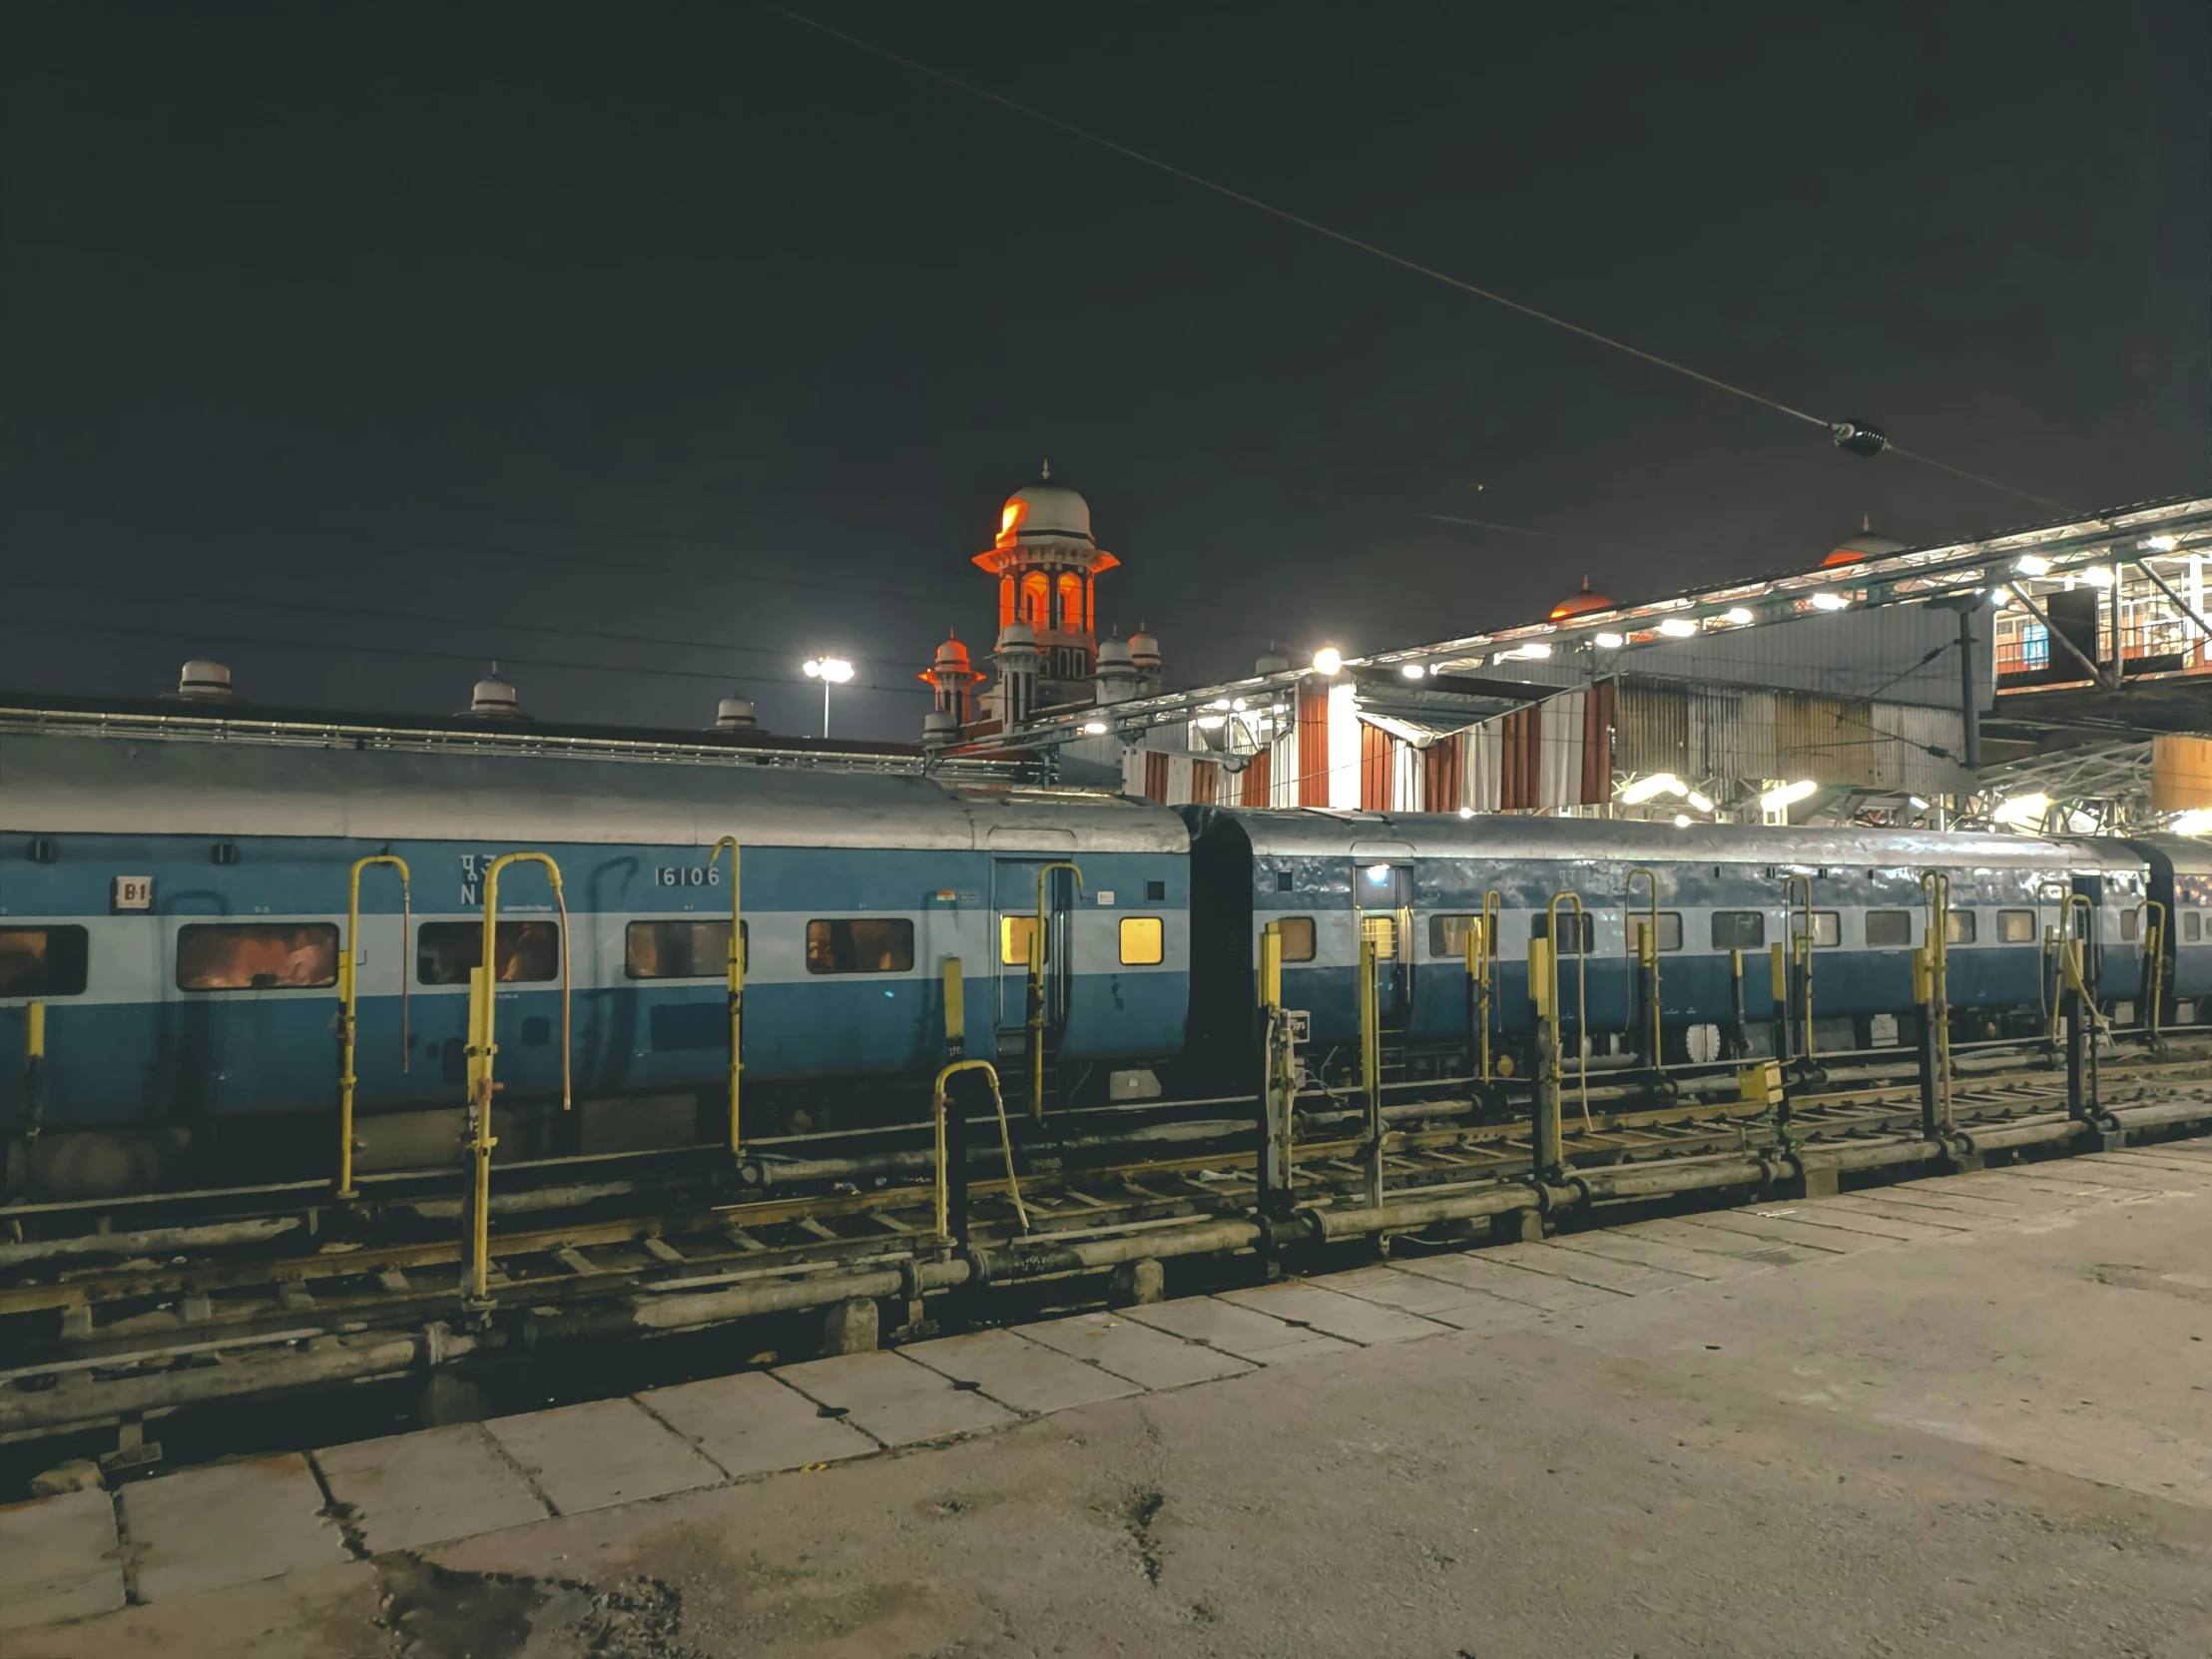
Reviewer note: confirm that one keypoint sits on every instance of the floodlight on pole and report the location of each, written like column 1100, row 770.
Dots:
column 831, row 671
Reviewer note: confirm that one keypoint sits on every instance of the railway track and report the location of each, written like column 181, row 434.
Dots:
column 107, row 1327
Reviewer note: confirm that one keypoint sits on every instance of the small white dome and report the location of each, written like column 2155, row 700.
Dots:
column 1144, row 650
column 1017, row 635
column 735, row 714
column 1114, row 653
column 494, row 697
column 204, row 678
column 1274, row 661
column 1044, row 512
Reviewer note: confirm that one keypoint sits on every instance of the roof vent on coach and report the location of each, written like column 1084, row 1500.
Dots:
column 206, row 681
column 494, row 699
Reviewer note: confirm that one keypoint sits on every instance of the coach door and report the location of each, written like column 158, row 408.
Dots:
column 1384, row 894
column 1013, row 921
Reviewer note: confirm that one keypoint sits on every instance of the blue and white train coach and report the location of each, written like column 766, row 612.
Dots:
column 178, row 908
column 1724, row 895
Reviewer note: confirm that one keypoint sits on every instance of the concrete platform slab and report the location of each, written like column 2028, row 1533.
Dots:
column 1534, row 1290
column 1880, row 1206
column 1321, row 1309
column 1148, row 1358
column 227, row 1524
column 1433, row 1299
column 893, row 1398
column 2155, row 1160
column 1029, row 1376
column 1691, row 1234
column 1789, row 1223
column 1971, row 1214
column 752, row 1424
column 406, row 1490
column 1829, row 1213
column 1645, row 1250
column 1240, row 1330
column 2088, row 1172
column 600, row 1452
column 58, row 1561
column 1630, row 1279
column 1970, row 1191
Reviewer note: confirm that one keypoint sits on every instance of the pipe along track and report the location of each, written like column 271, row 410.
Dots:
column 262, row 1301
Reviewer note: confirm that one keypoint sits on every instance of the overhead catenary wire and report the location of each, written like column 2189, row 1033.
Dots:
column 1373, row 249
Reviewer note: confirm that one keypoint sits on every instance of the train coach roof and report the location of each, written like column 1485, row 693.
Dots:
column 89, row 785
column 1313, row 834
column 2188, row 855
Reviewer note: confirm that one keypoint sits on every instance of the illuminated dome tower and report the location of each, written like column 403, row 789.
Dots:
column 1047, row 567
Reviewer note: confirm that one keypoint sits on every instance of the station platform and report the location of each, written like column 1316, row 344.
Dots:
column 1969, row 1414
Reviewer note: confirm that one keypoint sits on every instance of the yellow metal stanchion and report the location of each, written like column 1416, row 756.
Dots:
column 1581, row 996
column 737, row 985
column 1279, row 1081
column 1036, row 987
column 1371, row 1062
column 1545, row 1149
column 1801, row 950
column 34, row 1062
column 482, row 1005
column 1005, row 1141
column 2150, row 931
column 349, row 994
column 1932, row 986
column 1647, row 954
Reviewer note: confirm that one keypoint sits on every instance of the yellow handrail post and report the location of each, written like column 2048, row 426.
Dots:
column 34, row 1063
column 1371, row 1062
column 1005, row 1141
column 1036, row 984
column 736, row 971
column 1546, row 1153
column 483, row 1025
column 349, row 996
column 1933, row 983
column 1582, row 996
column 1801, row 951
column 1277, row 1083
column 1647, row 956
column 2150, row 931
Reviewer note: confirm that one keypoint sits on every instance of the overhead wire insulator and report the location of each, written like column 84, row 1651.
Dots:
column 1857, row 437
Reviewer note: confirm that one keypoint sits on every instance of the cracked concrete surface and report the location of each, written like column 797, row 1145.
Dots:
column 1979, row 1440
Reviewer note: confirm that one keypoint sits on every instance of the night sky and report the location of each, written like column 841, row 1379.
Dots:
column 648, row 348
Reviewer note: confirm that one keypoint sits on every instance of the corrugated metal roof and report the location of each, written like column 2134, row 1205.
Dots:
column 1900, row 653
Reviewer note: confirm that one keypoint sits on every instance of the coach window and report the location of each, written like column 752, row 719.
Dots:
column 528, row 952
column 2016, row 927
column 256, row 956
column 1959, row 927
column 865, row 946
column 2127, row 927
column 1448, row 937
column 1014, row 940
column 680, row 949
column 2192, row 927
column 1539, row 928
column 1739, row 930
column 42, row 961
column 1889, row 927
column 1827, row 927
column 1142, row 944
column 1297, row 937
column 1670, row 930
